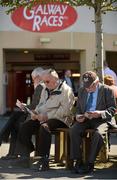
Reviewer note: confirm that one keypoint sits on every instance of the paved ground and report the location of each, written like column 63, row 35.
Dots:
column 102, row 171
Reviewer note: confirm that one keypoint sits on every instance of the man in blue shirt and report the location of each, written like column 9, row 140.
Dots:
column 108, row 71
column 95, row 107
column 68, row 79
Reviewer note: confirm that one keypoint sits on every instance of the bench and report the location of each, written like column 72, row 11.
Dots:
column 62, row 146
column 103, row 154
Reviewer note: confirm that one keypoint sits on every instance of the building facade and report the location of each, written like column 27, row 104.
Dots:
column 72, row 47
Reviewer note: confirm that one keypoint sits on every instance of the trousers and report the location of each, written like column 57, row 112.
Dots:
column 77, row 133
column 24, row 142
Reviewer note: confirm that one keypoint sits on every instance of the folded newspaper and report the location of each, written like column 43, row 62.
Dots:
column 24, row 107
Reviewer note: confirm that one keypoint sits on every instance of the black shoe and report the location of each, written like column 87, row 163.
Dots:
column 21, row 162
column 89, row 168
column 9, row 157
column 43, row 164
column 77, row 168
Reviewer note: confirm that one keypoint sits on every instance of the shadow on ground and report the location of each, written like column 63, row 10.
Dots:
column 102, row 171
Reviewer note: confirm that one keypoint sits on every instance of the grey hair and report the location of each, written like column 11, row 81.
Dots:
column 52, row 72
column 37, row 71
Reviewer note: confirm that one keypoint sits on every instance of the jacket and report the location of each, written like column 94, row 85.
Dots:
column 36, row 96
column 58, row 104
column 106, row 102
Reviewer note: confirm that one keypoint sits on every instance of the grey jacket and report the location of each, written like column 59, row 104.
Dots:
column 106, row 102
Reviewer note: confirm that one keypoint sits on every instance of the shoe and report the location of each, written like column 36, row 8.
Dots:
column 77, row 168
column 43, row 164
column 89, row 169
column 21, row 162
column 9, row 157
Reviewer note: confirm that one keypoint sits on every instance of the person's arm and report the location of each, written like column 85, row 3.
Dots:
column 20, row 105
column 110, row 107
column 40, row 117
column 36, row 97
column 110, row 101
column 80, row 101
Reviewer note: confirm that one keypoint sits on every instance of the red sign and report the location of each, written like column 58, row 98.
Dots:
column 45, row 17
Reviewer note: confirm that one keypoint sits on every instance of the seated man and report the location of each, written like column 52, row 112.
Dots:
column 95, row 107
column 51, row 113
column 18, row 117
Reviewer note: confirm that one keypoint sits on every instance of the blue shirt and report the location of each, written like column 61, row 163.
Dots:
column 68, row 81
column 94, row 101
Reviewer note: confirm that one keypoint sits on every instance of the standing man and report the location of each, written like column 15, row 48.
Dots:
column 108, row 71
column 18, row 117
column 109, row 80
column 68, row 79
column 95, row 107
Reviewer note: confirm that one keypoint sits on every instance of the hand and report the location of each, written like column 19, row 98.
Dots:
column 40, row 117
column 93, row 114
column 96, row 114
column 88, row 115
column 80, row 118
column 20, row 105
column 45, row 125
column 34, row 116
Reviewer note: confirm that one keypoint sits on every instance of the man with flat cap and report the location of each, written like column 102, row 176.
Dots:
column 95, row 107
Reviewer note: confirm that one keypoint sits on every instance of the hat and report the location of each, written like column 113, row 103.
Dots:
column 88, row 78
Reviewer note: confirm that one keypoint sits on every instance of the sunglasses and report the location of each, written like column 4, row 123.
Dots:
column 47, row 82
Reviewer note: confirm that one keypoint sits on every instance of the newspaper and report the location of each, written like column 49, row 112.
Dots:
column 24, row 107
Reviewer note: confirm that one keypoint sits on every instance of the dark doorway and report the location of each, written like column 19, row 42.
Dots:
column 19, row 87
column 20, row 65
column 111, row 58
